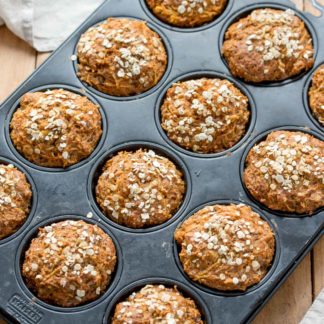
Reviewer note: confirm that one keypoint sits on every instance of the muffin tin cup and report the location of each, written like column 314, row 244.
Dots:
column 167, row 282
column 177, row 250
column 206, row 74
column 245, row 12
column 104, row 125
column 308, row 109
column 149, row 255
column 133, row 146
column 169, row 54
column 24, row 245
column 261, row 137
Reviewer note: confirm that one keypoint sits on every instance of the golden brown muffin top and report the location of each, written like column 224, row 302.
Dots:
column 286, row 172
column 55, row 128
column 15, row 199
column 140, row 189
column 121, row 57
column 69, row 263
column 226, row 247
column 190, row 13
column 316, row 94
column 268, row 45
column 157, row 304
column 205, row 115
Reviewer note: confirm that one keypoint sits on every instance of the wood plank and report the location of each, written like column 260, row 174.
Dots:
column 290, row 303
column 41, row 57
column 299, row 4
column 310, row 8
column 318, row 267
column 17, row 61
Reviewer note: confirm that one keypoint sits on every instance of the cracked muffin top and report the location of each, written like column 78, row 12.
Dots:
column 285, row 172
column 226, row 247
column 121, row 57
column 268, row 45
column 191, row 13
column 55, row 128
column 205, row 115
column 69, row 263
column 140, row 189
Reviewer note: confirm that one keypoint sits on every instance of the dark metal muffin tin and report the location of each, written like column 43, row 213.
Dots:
column 150, row 255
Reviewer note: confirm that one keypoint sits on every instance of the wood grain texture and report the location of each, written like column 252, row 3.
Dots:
column 41, row 57
column 292, row 300
column 318, row 267
column 17, row 62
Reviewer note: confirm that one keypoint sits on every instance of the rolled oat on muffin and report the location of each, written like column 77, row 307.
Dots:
column 226, row 247
column 157, row 304
column 15, row 199
column 207, row 115
column 69, row 263
column 268, row 45
column 192, row 13
column 55, row 128
column 140, row 189
column 316, row 94
column 285, row 172
column 121, row 57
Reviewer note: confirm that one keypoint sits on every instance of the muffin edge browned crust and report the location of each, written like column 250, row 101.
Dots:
column 121, row 57
column 69, row 263
column 140, row 189
column 15, row 199
column 226, row 247
column 157, row 303
column 282, row 178
column 316, row 94
column 257, row 51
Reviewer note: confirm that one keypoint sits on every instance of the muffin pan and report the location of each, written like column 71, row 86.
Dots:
column 149, row 256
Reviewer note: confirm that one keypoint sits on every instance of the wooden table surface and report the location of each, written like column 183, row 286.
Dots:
column 295, row 296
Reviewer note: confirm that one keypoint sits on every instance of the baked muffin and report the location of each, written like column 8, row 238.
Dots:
column 157, row 304
column 140, row 189
column 285, row 172
column 226, row 247
column 69, row 263
column 121, row 57
column 191, row 13
column 268, row 45
column 55, row 128
column 205, row 115
column 316, row 94
column 15, row 199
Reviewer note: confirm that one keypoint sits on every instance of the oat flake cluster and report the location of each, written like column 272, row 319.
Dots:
column 55, row 128
column 121, row 57
column 157, row 304
column 286, row 172
column 226, row 247
column 15, row 199
column 69, row 263
column 140, row 189
column 187, row 13
column 268, row 45
column 205, row 115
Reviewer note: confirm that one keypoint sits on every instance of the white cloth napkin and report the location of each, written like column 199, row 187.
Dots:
column 315, row 314
column 45, row 24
